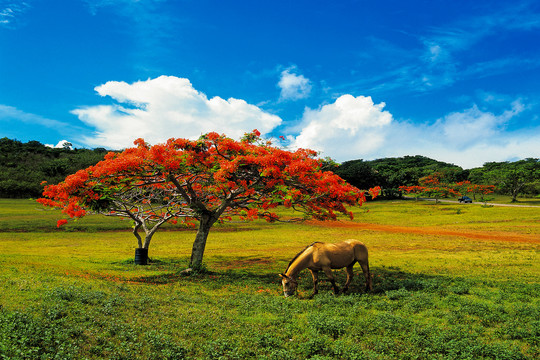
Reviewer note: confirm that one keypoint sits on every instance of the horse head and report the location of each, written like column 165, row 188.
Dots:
column 289, row 285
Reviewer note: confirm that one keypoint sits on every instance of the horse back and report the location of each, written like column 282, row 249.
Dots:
column 338, row 255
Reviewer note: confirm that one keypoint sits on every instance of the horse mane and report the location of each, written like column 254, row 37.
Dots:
column 300, row 253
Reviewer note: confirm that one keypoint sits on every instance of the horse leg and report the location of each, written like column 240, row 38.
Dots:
column 367, row 275
column 330, row 276
column 315, row 275
column 350, row 275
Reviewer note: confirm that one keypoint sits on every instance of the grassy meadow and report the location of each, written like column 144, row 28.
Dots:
column 451, row 281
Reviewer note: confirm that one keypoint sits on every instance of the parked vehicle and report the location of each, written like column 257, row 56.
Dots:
column 465, row 199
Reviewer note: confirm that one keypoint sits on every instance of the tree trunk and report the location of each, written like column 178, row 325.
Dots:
column 205, row 224
column 147, row 240
column 515, row 193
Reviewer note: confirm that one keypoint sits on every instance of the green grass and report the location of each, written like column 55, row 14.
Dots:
column 507, row 199
column 74, row 293
column 466, row 217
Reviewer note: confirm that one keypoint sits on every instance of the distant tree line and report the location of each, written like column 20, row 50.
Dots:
column 24, row 166
column 512, row 178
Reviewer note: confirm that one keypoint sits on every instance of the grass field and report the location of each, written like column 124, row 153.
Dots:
column 450, row 282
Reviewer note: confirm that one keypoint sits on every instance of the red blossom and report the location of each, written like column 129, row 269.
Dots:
column 432, row 186
column 61, row 222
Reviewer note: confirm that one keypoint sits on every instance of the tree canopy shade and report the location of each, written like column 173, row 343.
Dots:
column 207, row 180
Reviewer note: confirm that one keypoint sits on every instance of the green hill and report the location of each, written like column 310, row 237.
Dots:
column 24, row 166
column 390, row 173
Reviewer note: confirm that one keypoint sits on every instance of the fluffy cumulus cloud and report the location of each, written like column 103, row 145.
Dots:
column 356, row 128
column 165, row 107
column 350, row 126
column 293, row 86
column 347, row 129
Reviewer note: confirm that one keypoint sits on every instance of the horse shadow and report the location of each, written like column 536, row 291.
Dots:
column 389, row 280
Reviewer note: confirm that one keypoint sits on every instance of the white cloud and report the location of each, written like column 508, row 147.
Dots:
column 293, row 86
column 165, row 107
column 464, row 129
column 500, row 147
column 349, row 128
column 468, row 138
column 351, row 125
column 356, row 128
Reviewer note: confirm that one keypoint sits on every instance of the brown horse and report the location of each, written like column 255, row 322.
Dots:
column 325, row 257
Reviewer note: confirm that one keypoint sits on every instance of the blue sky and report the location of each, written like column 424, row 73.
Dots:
column 457, row 81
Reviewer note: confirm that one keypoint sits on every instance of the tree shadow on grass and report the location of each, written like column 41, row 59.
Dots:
column 233, row 273
column 230, row 276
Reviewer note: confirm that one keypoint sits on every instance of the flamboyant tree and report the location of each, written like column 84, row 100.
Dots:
column 475, row 189
column 432, row 186
column 416, row 190
column 435, row 192
column 206, row 180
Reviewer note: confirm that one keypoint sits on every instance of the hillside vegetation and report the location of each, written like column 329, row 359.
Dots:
column 511, row 178
column 24, row 166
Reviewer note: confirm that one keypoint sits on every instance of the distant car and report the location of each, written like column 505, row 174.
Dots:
column 465, row 199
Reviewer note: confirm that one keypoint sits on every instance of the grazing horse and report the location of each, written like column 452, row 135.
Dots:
column 325, row 257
